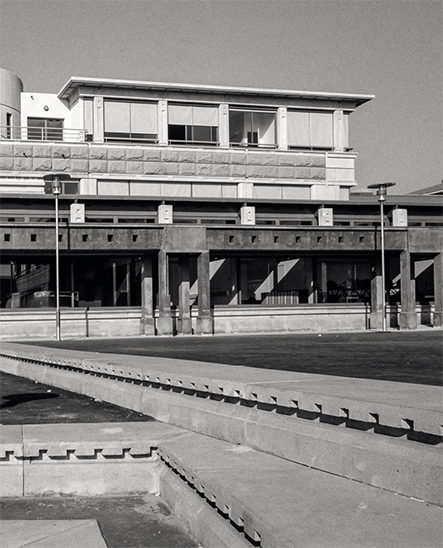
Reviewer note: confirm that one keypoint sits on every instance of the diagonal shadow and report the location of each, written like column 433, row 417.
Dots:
column 17, row 399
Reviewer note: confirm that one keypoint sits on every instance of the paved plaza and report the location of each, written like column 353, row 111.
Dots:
column 411, row 357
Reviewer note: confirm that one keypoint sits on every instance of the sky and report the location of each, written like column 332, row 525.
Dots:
column 388, row 48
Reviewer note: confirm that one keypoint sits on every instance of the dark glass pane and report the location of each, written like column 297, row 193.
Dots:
column 176, row 133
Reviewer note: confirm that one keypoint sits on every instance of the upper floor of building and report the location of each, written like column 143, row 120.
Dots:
column 118, row 137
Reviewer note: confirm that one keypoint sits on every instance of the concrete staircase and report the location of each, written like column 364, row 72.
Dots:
column 274, row 458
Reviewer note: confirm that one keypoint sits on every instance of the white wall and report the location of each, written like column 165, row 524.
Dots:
column 33, row 105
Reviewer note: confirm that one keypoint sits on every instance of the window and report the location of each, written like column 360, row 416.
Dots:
column 8, row 125
column 67, row 187
column 45, row 129
column 193, row 124
column 133, row 122
column 310, row 130
column 252, row 128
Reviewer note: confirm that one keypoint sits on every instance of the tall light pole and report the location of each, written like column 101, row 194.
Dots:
column 55, row 179
column 382, row 190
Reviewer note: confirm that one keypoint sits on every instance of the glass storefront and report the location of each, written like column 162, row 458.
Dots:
column 84, row 281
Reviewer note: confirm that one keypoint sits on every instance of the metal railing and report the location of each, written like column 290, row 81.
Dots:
column 22, row 133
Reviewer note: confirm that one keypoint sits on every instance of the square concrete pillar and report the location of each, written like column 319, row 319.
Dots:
column 376, row 315
column 163, row 122
column 184, row 322
column 438, row 290
column 408, row 315
column 164, row 324
column 204, row 319
column 147, row 324
column 99, row 117
column 223, row 125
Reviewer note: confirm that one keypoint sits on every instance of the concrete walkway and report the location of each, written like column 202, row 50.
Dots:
column 51, row 534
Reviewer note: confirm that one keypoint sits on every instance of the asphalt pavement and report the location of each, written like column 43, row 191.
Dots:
column 400, row 356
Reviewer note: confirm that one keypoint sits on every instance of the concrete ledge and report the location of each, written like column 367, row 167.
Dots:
column 280, row 504
column 384, row 403
column 80, row 459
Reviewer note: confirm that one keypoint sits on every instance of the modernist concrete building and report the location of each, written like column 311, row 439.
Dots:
column 201, row 209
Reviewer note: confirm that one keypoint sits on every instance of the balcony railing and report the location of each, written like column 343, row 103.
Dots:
column 21, row 133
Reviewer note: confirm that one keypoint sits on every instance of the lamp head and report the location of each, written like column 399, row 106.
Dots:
column 54, row 180
column 382, row 188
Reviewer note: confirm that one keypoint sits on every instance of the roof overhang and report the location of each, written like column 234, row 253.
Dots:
column 75, row 82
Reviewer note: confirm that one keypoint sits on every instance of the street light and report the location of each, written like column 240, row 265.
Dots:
column 53, row 181
column 382, row 190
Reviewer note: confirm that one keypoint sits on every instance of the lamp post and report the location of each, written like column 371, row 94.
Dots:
column 382, row 190
column 55, row 180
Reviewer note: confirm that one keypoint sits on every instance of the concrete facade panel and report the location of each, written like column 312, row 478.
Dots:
column 22, row 164
column 134, row 154
column 6, row 163
column 23, row 150
column 152, row 168
column 237, row 170
column 254, row 171
column 98, row 166
column 61, row 152
column 42, row 151
column 6, row 150
column 79, row 166
column 116, row 167
column 42, row 164
column 135, row 167
column 116, row 153
column 98, row 153
column 61, row 164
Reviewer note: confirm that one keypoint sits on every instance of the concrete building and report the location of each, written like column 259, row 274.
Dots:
column 201, row 209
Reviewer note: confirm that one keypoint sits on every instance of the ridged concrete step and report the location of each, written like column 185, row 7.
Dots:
column 382, row 456
column 279, row 504
column 380, row 404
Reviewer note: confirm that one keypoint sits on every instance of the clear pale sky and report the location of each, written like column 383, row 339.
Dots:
column 389, row 48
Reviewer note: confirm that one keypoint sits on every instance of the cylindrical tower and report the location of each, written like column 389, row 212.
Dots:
column 10, row 102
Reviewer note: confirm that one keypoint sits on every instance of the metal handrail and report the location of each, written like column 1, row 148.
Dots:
column 23, row 133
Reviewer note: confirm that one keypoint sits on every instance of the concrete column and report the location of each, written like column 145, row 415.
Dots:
column 88, row 186
column 376, row 315
column 341, row 137
column 282, row 128
column 309, row 273
column 147, row 326
column 407, row 316
column 438, row 290
column 163, row 122
column 165, row 324
column 99, row 116
column 184, row 323
column 223, row 125
column 204, row 319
